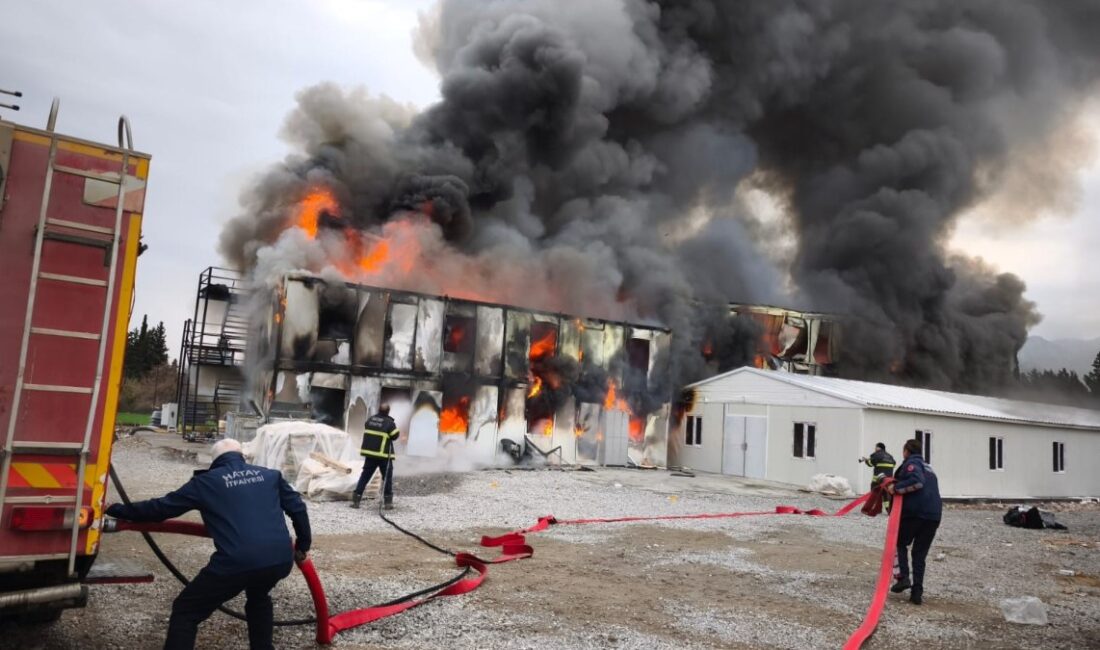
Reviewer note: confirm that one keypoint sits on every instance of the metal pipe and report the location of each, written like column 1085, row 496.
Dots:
column 13, row 107
column 13, row 93
column 42, row 595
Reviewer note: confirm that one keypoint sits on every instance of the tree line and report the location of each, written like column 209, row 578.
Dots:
column 148, row 378
column 1063, row 386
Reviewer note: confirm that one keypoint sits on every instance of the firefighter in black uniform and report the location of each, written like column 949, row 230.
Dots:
column 377, row 451
column 882, row 465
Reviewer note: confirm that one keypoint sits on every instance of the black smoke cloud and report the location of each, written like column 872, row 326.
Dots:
column 605, row 142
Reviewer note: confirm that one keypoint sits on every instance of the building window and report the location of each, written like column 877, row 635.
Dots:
column 1059, row 457
column 996, row 453
column 805, row 435
column 924, row 437
column 693, row 428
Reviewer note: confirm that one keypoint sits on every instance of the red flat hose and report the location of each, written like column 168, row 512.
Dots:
column 885, row 574
column 513, row 546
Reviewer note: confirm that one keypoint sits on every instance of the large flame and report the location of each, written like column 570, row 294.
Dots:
column 612, row 401
column 455, row 418
column 319, row 200
column 544, row 346
column 548, row 428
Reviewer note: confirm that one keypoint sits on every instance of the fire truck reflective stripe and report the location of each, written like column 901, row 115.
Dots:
column 16, row 480
column 46, row 475
column 36, row 475
column 72, row 278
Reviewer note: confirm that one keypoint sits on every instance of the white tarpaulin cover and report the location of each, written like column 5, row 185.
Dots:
column 829, row 484
column 286, row 446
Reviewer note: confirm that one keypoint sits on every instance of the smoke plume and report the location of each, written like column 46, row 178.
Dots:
column 585, row 157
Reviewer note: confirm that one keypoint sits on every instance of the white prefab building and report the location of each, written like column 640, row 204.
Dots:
column 786, row 427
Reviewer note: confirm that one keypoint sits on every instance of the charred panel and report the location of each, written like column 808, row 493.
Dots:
column 429, row 335
column 400, row 333
column 459, row 338
column 300, row 321
column 370, row 329
column 490, row 342
column 517, row 343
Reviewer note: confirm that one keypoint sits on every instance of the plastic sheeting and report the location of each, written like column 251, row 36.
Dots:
column 286, row 446
column 830, row 484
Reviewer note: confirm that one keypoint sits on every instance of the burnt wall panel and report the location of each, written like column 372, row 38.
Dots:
column 589, row 431
column 517, row 344
column 429, row 336
column 489, row 347
column 483, row 423
column 459, row 338
column 370, row 329
column 401, row 330
column 300, row 321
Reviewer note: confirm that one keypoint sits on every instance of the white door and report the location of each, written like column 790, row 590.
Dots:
column 733, row 445
column 756, row 446
column 616, row 431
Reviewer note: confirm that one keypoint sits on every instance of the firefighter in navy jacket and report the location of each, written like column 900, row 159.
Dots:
column 921, row 512
column 380, row 432
column 242, row 507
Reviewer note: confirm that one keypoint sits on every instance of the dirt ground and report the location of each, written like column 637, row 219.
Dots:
column 763, row 582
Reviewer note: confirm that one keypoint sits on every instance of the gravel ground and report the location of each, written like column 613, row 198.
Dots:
column 753, row 582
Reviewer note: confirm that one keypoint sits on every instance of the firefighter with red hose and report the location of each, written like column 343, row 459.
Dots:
column 242, row 507
column 921, row 513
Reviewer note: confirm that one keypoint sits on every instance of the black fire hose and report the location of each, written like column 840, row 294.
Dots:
column 299, row 621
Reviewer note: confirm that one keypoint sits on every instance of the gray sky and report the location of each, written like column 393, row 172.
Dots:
column 206, row 86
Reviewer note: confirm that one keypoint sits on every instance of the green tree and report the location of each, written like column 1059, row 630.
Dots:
column 1092, row 380
column 145, row 349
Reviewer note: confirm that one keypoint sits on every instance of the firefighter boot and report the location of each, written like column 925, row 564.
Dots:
column 356, row 497
column 388, row 504
column 901, row 585
column 917, row 595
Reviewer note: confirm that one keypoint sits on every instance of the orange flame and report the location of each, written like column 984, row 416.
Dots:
column 536, row 387
column 548, row 428
column 318, row 200
column 612, row 402
column 708, row 349
column 637, row 428
column 374, row 259
column 545, row 346
column 456, row 417
column 578, row 431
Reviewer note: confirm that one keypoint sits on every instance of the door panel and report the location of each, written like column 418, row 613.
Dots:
column 733, row 440
column 756, row 446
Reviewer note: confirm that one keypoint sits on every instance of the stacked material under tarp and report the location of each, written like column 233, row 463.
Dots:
column 319, row 461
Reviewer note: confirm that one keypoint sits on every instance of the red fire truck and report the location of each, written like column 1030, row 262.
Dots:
column 70, row 230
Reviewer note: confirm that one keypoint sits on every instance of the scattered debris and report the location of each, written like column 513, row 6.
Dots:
column 1069, row 541
column 1067, row 572
column 941, row 557
column 1031, row 518
column 1028, row 610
